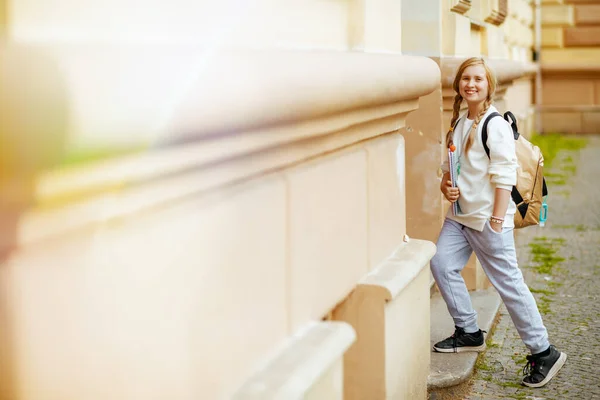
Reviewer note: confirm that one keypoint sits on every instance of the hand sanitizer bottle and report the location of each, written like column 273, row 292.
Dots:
column 543, row 212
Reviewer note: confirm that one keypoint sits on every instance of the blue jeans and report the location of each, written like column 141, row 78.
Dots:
column 497, row 255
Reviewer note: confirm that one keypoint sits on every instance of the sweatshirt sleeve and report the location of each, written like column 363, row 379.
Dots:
column 503, row 159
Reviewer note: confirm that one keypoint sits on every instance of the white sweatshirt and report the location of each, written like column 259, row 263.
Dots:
column 479, row 175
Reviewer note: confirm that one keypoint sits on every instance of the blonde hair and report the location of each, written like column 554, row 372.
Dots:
column 491, row 78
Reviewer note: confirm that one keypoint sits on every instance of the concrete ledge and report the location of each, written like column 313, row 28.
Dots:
column 391, row 297
column 303, row 362
column 569, row 108
column 190, row 92
column 559, row 69
column 399, row 270
column 450, row 369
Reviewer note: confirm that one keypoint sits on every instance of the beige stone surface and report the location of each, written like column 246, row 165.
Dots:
column 147, row 303
column 591, row 122
column 477, row 46
column 562, row 122
column 587, row 14
column 576, row 56
column 364, row 362
column 582, row 36
column 180, row 286
column 386, row 194
column 422, row 135
column 568, row 92
column 518, row 36
column 328, row 233
column 308, row 366
column 377, row 311
column 519, row 98
column 552, row 37
column 330, row 386
column 313, row 24
column 422, row 16
column 407, row 365
column 176, row 93
column 126, row 196
column 476, row 11
column 493, row 40
column 117, row 181
column 499, row 98
column 559, row 69
column 558, row 15
column 521, row 10
column 375, row 25
column 315, row 216
column 456, row 28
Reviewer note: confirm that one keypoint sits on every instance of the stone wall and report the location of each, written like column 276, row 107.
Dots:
column 571, row 66
column 228, row 178
column 226, row 209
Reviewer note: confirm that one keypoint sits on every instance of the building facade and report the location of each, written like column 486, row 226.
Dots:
column 240, row 199
column 570, row 66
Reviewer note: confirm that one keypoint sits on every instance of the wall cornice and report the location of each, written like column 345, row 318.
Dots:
column 570, row 69
column 246, row 117
column 531, row 69
column 269, row 88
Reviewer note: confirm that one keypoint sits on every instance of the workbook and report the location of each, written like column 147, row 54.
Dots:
column 453, row 166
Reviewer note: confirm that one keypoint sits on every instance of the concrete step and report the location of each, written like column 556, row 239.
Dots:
column 450, row 369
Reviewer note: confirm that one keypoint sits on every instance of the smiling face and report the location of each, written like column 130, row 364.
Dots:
column 474, row 85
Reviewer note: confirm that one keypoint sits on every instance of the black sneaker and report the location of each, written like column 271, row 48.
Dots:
column 461, row 341
column 540, row 370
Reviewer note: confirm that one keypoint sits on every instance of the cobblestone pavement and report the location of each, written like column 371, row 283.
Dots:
column 561, row 264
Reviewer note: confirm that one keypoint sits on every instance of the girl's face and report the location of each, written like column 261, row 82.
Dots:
column 474, row 85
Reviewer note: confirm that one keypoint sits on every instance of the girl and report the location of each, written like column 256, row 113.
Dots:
column 485, row 225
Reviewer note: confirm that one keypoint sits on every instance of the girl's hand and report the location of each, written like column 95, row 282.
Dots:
column 496, row 227
column 450, row 193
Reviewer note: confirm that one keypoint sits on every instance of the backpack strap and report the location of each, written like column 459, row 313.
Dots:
column 516, row 196
column 544, row 187
column 484, row 132
column 513, row 124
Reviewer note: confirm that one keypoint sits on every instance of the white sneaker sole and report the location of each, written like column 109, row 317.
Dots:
column 461, row 349
column 553, row 371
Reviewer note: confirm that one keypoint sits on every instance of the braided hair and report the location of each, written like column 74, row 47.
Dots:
column 455, row 111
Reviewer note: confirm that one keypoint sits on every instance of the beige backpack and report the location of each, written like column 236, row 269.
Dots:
column 530, row 190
